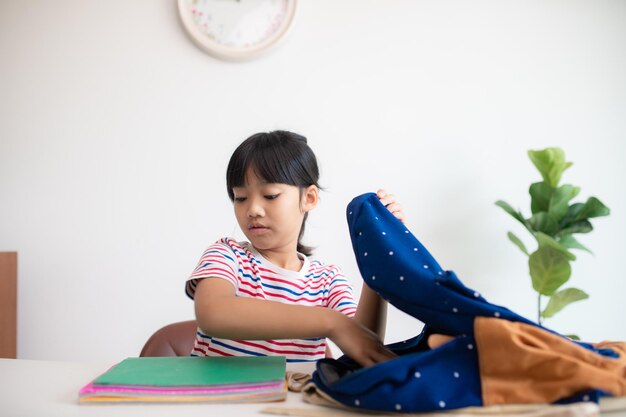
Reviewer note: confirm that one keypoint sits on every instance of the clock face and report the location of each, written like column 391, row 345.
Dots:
column 236, row 29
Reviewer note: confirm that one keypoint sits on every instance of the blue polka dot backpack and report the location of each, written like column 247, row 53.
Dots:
column 454, row 375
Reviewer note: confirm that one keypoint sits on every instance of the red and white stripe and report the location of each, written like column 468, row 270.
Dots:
column 253, row 276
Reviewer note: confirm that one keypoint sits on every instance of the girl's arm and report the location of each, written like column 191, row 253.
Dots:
column 221, row 314
column 372, row 309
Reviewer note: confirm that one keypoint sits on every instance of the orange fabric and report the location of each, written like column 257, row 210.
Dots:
column 521, row 364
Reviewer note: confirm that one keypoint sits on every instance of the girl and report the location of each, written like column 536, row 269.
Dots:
column 266, row 296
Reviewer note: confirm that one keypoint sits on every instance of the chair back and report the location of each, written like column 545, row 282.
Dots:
column 175, row 339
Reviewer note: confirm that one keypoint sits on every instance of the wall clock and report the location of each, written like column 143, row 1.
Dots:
column 237, row 29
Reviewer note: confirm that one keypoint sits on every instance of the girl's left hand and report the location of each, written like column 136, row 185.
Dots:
column 389, row 201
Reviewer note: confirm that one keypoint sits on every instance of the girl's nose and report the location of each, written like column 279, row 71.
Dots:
column 255, row 209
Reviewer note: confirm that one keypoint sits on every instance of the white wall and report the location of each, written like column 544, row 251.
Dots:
column 115, row 131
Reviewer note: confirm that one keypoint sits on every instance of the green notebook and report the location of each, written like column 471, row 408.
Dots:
column 195, row 371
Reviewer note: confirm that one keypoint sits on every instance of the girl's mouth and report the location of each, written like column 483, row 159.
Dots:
column 258, row 229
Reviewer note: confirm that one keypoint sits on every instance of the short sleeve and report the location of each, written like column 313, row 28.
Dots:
column 340, row 295
column 218, row 261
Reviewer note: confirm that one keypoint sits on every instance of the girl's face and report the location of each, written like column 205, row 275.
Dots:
column 271, row 215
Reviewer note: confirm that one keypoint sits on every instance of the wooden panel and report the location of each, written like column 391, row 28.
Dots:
column 8, row 304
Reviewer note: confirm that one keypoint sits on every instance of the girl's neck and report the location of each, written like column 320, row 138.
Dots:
column 288, row 260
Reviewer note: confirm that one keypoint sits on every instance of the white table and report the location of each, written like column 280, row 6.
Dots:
column 31, row 388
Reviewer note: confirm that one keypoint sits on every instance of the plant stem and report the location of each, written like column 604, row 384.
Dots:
column 539, row 308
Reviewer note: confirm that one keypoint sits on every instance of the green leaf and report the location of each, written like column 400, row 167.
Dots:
column 562, row 299
column 559, row 201
column 573, row 211
column 517, row 242
column 571, row 243
column 551, row 164
column 507, row 207
column 546, row 241
column 554, row 201
column 574, row 190
column 583, row 226
column 578, row 214
column 549, row 269
column 573, row 336
column 544, row 222
column 540, row 194
column 592, row 208
column 516, row 214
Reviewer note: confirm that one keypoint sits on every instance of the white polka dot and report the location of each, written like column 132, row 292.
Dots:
column 376, row 218
column 442, row 404
column 414, row 249
column 406, row 231
column 455, row 310
column 418, row 375
column 401, row 278
column 350, row 213
column 365, row 254
column 373, row 277
column 398, row 407
column 390, row 252
column 425, row 266
column 440, row 273
column 384, row 233
column 360, row 233
column 586, row 398
column 470, row 346
column 497, row 314
column 357, row 403
column 456, row 374
column 437, row 283
column 476, row 294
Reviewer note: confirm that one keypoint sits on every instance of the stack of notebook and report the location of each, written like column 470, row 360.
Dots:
column 190, row 379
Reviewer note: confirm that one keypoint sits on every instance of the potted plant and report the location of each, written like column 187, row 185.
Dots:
column 553, row 223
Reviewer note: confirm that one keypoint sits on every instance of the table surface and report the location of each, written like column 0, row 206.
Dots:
column 31, row 388
column 47, row 388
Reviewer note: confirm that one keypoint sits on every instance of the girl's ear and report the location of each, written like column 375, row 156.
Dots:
column 310, row 197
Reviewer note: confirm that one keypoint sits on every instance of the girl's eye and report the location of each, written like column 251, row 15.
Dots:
column 240, row 199
column 271, row 196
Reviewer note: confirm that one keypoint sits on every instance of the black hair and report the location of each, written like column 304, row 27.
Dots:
column 278, row 157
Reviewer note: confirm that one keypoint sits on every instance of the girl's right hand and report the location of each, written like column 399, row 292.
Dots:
column 359, row 343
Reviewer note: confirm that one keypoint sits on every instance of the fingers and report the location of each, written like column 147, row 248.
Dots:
column 383, row 355
column 365, row 361
column 396, row 210
column 371, row 351
column 389, row 201
column 360, row 343
column 436, row 340
column 379, row 353
column 374, row 354
column 385, row 197
column 373, row 357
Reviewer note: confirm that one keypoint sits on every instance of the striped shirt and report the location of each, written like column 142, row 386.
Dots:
column 253, row 276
